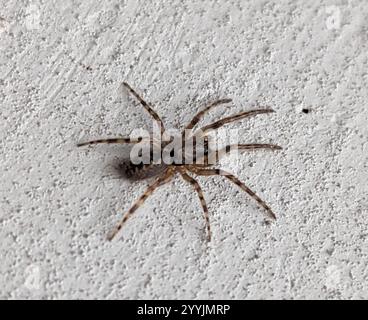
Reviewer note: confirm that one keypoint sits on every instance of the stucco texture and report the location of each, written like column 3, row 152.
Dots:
column 61, row 68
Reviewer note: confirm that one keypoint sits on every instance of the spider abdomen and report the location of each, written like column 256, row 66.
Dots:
column 142, row 171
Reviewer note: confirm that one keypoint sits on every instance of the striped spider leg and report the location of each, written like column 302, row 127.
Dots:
column 147, row 107
column 161, row 180
column 166, row 177
column 203, row 168
column 199, row 191
column 235, row 180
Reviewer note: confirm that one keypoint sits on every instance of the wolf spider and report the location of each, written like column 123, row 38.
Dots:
column 168, row 171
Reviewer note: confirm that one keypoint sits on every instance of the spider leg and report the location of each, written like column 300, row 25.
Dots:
column 239, row 116
column 198, row 117
column 212, row 157
column 158, row 182
column 146, row 106
column 235, row 180
column 253, row 146
column 201, row 113
column 110, row 140
column 198, row 188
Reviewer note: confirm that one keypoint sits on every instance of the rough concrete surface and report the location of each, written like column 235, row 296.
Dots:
column 61, row 66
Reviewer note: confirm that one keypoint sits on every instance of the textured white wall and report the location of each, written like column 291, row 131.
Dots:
column 61, row 65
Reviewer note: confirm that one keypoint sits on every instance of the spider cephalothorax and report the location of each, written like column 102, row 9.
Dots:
column 201, row 163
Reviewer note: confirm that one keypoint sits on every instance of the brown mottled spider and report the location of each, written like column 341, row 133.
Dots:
column 165, row 172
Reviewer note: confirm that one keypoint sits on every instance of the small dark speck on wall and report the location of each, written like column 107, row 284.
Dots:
column 305, row 110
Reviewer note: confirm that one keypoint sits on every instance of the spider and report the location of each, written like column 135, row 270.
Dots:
column 164, row 173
